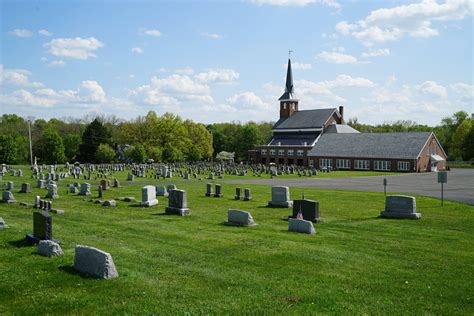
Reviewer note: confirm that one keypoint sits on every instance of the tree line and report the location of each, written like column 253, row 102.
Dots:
column 169, row 138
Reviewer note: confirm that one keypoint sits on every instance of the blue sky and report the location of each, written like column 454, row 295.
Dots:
column 218, row 61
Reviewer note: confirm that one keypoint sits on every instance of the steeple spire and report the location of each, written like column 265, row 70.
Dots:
column 288, row 95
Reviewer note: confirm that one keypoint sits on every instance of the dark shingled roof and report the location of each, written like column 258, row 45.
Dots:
column 370, row 145
column 305, row 119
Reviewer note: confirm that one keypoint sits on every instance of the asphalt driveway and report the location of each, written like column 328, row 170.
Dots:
column 460, row 185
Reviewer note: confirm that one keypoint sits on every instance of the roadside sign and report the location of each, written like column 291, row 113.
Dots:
column 442, row 177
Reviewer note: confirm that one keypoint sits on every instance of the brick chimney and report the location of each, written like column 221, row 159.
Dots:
column 341, row 111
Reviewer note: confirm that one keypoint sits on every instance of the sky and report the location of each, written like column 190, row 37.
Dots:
column 222, row 61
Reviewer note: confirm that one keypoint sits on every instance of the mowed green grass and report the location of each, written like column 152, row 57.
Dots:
column 357, row 263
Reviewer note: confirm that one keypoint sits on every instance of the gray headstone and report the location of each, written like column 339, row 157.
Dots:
column 2, row 223
column 85, row 189
column 41, row 184
column 209, row 191
column 301, row 226
column 400, row 206
column 7, row 197
column 218, row 190
column 149, row 196
column 10, row 186
column 247, row 196
column 280, row 197
column 238, row 194
column 177, row 203
column 94, row 262
column 25, row 188
column 52, row 192
column 49, row 248
column 161, row 191
column 42, row 227
column 111, row 203
column 239, row 218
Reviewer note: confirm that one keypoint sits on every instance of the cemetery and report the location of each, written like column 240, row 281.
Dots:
column 233, row 249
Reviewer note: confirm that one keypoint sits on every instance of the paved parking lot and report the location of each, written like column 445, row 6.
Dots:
column 460, row 186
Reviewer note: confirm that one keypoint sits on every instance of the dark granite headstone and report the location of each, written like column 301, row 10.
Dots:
column 309, row 208
column 218, row 190
column 42, row 227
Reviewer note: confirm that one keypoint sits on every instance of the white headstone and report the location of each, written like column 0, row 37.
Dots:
column 301, row 226
column 149, row 196
column 280, row 197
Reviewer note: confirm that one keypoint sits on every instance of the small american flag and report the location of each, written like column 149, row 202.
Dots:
column 300, row 214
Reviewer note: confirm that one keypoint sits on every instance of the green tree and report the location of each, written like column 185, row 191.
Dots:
column 171, row 153
column 468, row 146
column 137, row 153
column 104, row 154
column 154, row 152
column 94, row 135
column 71, row 146
column 8, row 149
column 53, row 148
column 459, row 138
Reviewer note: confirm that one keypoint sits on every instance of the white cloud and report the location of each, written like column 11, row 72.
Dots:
column 415, row 20
column 219, row 75
column 465, row 92
column 297, row 3
column 298, row 66
column 17, row 77
column 91, row 91
column 21, row 33
column 431, row 87
column 45, row 33
column 57, row 63
column 376, row 53
column 337, row 58
column 137, row 50
column 213, row 36
column 248, row 100
column 155, row 32
column 77, row 48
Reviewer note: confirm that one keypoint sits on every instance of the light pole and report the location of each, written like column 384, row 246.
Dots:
column 31, row 147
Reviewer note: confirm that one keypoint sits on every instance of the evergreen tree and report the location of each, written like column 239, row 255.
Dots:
column 94, row 135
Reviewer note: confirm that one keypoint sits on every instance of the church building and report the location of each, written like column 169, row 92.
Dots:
column 320, row 138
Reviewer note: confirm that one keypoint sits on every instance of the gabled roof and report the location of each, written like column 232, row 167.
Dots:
column 341, row 129
column 371, row 145
column 305, row 119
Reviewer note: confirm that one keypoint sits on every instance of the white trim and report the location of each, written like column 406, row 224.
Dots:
column 316, row 140
column 329, row 117
column 439, row 144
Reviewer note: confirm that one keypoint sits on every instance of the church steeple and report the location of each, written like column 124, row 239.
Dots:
column 288, row 101
column 288, row 94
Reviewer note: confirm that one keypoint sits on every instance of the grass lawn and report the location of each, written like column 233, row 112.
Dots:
column 356, row 263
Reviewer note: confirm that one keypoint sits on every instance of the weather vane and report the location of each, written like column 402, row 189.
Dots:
column 289, row 53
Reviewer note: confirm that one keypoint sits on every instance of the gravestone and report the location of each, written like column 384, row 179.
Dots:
column 99, row 191
column 239, row 218
column 2, row 223
column 105, row 184
column 280, row 197
column 170, row 187
column 52, row 192
column 7, row 197
column 301, row 226
column 400, row 206
column 10, row 186
column 116, row 183
column 149, row 196
column 309, row 210
column 49, row 248
column 130, row 177
column 25, row 188
column 238, row 194
column 41, row 184
column 247, row 196
column 209, row 191
column 42, row 227
column 111, row 203
column 73, row 189
column 37, row 202
column 218, row 191
column 161, row 191
column 177, row 203
column 94, row 262
column 85, row 189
